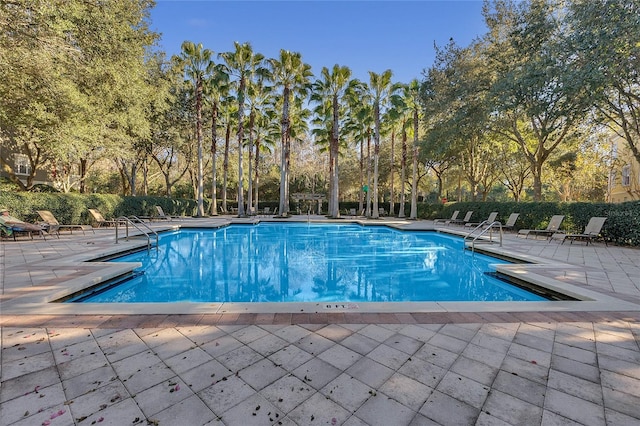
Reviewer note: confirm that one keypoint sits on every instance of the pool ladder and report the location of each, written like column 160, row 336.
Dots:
column 480, row 231
column 135, row 221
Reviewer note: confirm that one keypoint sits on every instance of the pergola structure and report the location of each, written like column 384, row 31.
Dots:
column 306, row 196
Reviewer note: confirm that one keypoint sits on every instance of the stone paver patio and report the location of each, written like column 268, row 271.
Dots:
column 431, row 367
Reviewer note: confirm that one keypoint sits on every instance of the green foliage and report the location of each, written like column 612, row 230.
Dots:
column 73, row 208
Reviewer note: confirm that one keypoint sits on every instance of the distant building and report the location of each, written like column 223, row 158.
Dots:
column 21, row 167
column 624, row 177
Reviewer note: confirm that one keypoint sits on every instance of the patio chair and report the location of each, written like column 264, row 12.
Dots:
column 454, row 216
column 101, row 221
column 52, row 224
column 10, row 226
column 552, row 228
column 591, row 231
column 511, row 222
column 467, row 219
column 162, row 216
column 492, row 218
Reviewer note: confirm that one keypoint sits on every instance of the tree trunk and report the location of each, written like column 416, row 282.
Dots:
column 225, row 167
column 360, row 191
column 200, row 182
column 392, row 204
column 214, row 137
column 284, row 172
column 414, row 181
column 376, row 154
column 335, row 141
column 240, row 141
column 250, row 164
column 257, row 176
column 368, row 212
column 403, row 165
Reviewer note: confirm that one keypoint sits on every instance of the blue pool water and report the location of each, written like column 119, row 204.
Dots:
column 310, row 262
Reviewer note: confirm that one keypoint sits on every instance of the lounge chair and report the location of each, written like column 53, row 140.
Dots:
column 53, row 225
column 552, row 228
column 454, row 216
column 162, row 216
column 101, row 221
column 467, row 219
column 591, row 231
column 511, row 222
column 10, row 226
column 492, row 218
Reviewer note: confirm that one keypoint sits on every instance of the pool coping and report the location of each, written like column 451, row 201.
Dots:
column 536, row 270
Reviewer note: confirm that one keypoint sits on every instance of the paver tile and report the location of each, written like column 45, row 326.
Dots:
column 576, row 369
column 381, row 411
column 340, row 357
column 187, row 360
column 388, row 356
column 407, row 391
column 225, row 394
column 316, row 373
column 205, row 375
column 350, row 393
column 318, row 410
column 574, row 408
column 424, row 372
column 463, row 389
column 567, row 383
column 147, row 377
column 446, row 410
column 30, row 382
column 254, row 410
column 261, row 374
column 512, row 410
column 481, row 373
column 287, row 393
column 32, row 403
column 88, row 382
column 335, row 332
column 19, row 367
column 370, row 372
column 85, row 405
column 520, row 387
column 268, row 344
column 191, row 411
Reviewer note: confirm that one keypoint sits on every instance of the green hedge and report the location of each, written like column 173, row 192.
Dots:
column 622, row 225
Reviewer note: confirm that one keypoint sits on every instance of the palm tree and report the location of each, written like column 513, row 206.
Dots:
column 242, row 63
column 215, row 89
column 381, row 92
column 258, row 96
column 197, row 65
column 413, row 102
column 290, row 73
column 329, row 90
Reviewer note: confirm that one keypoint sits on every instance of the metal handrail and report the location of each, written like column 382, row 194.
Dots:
column 483, row 231
column 128, row 221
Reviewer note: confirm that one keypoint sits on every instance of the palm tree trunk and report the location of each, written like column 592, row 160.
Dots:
column 376, row 154
column 257, row 175
column 368, row 213
column 252, row 116
column 241, row 89
column 214, row 202
column 360, row 192
column 403, row 165
column 335, row 212
column 200, row 183
column 392, row 204
column 225, row 169
column 414, row 181
column 284, row 172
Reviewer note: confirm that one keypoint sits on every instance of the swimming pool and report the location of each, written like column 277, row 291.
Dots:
column 300, row 262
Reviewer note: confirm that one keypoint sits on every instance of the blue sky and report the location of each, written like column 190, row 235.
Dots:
column 363, row 35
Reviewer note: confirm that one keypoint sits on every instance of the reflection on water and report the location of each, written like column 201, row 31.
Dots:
column 310, row 262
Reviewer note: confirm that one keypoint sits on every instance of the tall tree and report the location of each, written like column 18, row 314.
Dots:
column 538, row 103
column 382, row 90
column 329, row 90
column 242, row 64
column 292, row 75
column 413, row 102
column 215, row 90
column 198, row 65
column 604, row 35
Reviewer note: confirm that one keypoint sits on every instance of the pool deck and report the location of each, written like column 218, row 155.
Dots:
column 526, row 363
